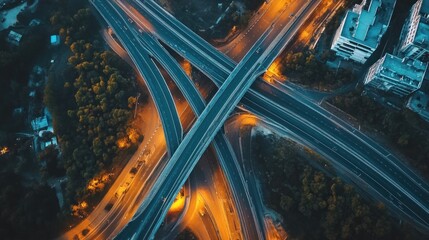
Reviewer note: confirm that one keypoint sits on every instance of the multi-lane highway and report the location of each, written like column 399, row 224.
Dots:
column 349, row 149
column 223, row 148
column 207, row 125
column 195, row 143
column 398, row 185
column 251, row 224
column 149, row 71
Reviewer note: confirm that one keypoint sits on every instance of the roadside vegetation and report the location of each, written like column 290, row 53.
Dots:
column 186, row 234
column 91, row 96
column 404, row 130
column 29, row 206
column 27, row 211
column 314, row 202
column 212, row 19
column 91, row 103
column 305, row 68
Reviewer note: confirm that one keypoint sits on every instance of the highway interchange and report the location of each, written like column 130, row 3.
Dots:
column 352, row 150
column 284, row 109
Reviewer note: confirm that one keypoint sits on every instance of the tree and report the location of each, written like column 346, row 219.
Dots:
column 315, row 205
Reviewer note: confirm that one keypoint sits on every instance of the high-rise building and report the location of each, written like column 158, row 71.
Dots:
column 362, row 28
column 400, row 76
column 414, row 41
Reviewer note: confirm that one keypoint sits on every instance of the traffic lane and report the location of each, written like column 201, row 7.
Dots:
column 316, row 139
column 93, row 219
column 349, row 139
column 223, row 153
column 200, row 178
column 267, row 13
column 246, row 158
column 182, row 49
column 346, row 138
column 199, row 136
column 225, row 156
column 165, row 104
column 137, row 62
column 167, row 17
column 400, row 165
column 176, row 72
column 234, row 136
column 237, row 184
column 288, row 30
column 150, row 7
column 341, row 156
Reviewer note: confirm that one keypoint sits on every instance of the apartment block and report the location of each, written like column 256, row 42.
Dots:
column 414, row 41
column 399, row 76
column 361, row 30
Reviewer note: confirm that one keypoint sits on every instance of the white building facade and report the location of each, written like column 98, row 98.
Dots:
column 361, row 30
column 399, row 76
column 414, row 42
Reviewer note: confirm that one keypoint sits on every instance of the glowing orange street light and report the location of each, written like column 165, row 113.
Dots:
column 4, row 150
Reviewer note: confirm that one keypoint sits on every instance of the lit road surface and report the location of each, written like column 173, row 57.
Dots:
column 276, row 47
column 194, row 144
column 238, row 129
column 210, row 198
column 251, row 225
column 222, row 146
column 273, row 11
column 351, row 151
column 150, row 72
column 223, row 151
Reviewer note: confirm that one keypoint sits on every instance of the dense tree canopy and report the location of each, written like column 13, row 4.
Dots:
column 405, row 129
column 316, row 205
column 31, row 208
column 306, row 69
column 90, row 102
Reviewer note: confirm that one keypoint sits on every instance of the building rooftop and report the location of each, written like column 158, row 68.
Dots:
column 14, row 37
column 55, row 40
column 39, row 123
column 407, row 71
column 368, row 22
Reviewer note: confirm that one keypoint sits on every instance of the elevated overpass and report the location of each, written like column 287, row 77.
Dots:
column 400, row 186
column 150, row 73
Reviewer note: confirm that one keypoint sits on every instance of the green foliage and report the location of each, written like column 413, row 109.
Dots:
column 99, row 116
column 306, row 69
column 26, row 212
column 253, row 5
column 49, row 159
column 15, row 65
column 186, row 234
column 89, row 102
column 405, row 129
column 315, row 205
